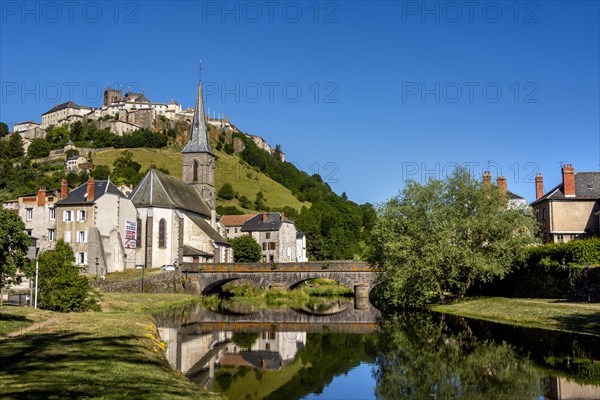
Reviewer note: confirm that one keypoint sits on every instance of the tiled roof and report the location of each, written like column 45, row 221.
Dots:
column 79, row 194
column 272, row 223
column 587, row 187
column 158, row 189
column 235, row 220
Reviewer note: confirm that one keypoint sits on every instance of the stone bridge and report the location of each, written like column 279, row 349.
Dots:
column 207, row 278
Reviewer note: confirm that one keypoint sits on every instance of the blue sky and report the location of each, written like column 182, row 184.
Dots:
column 367, row 94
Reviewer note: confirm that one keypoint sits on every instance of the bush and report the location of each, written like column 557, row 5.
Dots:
column 229, row 210
column 61, row 285
column 245, row 249
column 226, row 192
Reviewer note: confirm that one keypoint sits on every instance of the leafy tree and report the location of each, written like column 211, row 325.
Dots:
column 14, row 148
column 229, row 210
column 245, row 249
column 444, row 236
column 245, row 202
column 259, row 202
column 38, row 148
column 62, row 287
column 57, row 136
column 3, row 129
column 126, row 170
column 101, row 172
column 13, row 247
column 245, row 340
column 226, row 192
column 72, row 153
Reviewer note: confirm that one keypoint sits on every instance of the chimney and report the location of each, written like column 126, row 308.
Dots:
column 282, row 216
column 539, row 186
column 568, row 175
column 41, row 196
column 264, row 219
column 501, row 181
column 487, row 178
column 90, row 189
column 213, row 219
column 64, row 189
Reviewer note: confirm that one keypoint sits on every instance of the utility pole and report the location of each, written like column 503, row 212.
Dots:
column 36, row 282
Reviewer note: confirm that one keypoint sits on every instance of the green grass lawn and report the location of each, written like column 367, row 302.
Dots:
column 228, row 168
column 113, row 354
column 541, row 313
column 14, row 318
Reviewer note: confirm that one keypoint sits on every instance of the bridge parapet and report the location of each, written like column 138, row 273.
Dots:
column 313, row 266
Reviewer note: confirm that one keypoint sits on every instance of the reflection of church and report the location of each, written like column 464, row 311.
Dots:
column 177, row 220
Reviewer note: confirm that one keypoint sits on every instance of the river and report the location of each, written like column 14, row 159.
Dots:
column 346, row 353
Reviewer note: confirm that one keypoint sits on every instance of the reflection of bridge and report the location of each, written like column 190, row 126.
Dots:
column 195, row 320
column 209, row 277
column 198, row 338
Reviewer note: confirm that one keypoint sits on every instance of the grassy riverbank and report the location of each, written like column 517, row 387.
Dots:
column 539, row 313
column 113, row 354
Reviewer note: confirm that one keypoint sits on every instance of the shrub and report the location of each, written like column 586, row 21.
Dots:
column 226, row 192
column 245, row 249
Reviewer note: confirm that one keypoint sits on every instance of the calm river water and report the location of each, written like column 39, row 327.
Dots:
column 353, row 354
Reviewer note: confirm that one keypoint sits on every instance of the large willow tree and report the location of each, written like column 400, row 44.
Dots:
column 441, row 237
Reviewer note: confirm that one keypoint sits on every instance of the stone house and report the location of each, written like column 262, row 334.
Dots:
column 38, row 212
column 275, row 234
column 75, row 163
column 301, row 255
column 98, row 222
column 24, row 126
column 570, row 209
column 233, row 224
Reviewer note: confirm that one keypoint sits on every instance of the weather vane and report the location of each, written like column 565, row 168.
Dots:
column 200, row 69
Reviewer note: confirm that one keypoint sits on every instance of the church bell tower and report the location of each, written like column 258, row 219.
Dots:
column 198, row 159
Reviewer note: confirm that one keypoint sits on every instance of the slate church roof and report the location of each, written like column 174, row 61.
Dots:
column 158, row 189
column 198, row 134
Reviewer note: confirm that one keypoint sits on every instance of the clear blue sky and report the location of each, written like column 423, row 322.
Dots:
column 389, row 90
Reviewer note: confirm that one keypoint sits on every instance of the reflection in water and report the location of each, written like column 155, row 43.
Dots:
column 290, row 355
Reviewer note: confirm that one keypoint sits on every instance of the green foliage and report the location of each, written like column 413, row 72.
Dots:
column 101, row 172
column 551, row 255
column 226, row 192
column 245, row 249
column 141, row 138
column 61, row 285
column 245, row 202
column 57, row 136
column 14, row 148
column 420, row 358
column 38, row 148
column 229, row 210
column 245, row 340
column 13, row 247
column 444, row 236
column 72, row 153
column 3, row 129
column 126, row 170
column 228, row 148
column 259, row 202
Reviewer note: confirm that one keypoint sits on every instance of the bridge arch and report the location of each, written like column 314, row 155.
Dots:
column 210, row 283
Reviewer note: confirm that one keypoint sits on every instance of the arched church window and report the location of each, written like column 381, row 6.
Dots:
column 195, row 167
column 162, row 228
column 138, row 234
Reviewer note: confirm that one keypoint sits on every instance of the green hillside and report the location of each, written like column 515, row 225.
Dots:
column 229, row 168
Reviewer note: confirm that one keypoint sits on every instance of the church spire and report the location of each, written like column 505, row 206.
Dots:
column 198, row 134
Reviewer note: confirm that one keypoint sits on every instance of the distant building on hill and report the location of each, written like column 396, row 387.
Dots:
column 64, row 113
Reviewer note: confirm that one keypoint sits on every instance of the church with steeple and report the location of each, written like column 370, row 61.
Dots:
column 198, row 159
column 176, row 219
